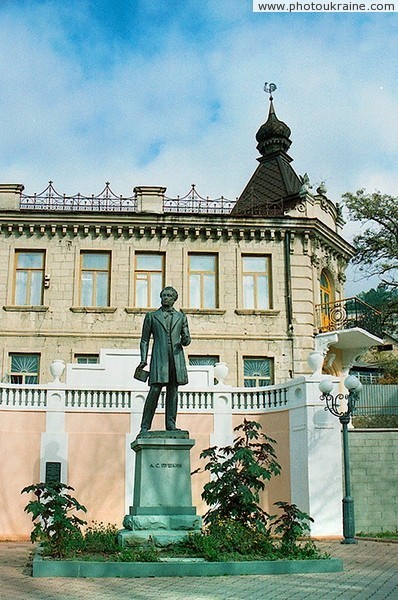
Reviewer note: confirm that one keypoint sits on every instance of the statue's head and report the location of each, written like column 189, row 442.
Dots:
column 169, row 293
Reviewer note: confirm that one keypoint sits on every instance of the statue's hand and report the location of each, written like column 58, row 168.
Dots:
column 142, row 364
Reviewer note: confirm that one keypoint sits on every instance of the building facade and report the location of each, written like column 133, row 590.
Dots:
column 261, row 280
column 78, row 274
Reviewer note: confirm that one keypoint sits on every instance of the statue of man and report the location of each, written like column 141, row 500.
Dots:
column 170, row 332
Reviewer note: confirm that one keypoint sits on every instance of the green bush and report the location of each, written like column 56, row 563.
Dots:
column 54, row 523
column 228, row 540
column 291, row 525
column 375, row 421
column 100, row 538
column 238, row 474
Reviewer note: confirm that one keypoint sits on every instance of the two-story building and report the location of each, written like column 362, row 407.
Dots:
column 262, row 282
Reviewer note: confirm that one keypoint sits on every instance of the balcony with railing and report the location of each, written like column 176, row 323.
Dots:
column 348, row 313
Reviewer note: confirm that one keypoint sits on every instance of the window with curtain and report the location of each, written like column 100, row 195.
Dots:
column 256, row 279
column 203, row 281
column 148, row 279
column 24, row 368
column 94, row 278
column 257, row 372
column 29, row 275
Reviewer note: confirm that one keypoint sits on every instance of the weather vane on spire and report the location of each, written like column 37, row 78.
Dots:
column 269, row 88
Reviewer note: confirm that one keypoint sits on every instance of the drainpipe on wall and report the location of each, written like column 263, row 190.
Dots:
column 288, row 287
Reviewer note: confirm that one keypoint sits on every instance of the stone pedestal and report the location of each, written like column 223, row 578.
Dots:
column 162, row 503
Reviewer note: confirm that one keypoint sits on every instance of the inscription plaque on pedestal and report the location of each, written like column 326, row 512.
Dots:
column 162, row 501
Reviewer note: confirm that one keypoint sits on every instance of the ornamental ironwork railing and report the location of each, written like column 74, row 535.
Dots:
column 347, row 314
column 50, row 199
column 107, row 200
column 197, row 204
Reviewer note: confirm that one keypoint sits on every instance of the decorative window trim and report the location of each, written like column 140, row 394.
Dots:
column 93, row 309
column 138, row 311
column 25, row 308
column 204, row 311
column 23, row 373
column 258, row 376
column 269, row 312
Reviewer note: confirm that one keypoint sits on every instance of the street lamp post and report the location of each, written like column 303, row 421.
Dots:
column 353, row 386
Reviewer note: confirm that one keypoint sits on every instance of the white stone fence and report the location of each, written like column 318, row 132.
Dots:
column 41, row 398
column 310, row 435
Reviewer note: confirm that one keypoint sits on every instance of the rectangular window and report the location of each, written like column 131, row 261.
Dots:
column 24, row 368
column 256, row 274
column 257, row 372
column 29, row 274
column 148, row 279
column 94, row 278
column 203, row 281
column 203, row 359
column 87, row 359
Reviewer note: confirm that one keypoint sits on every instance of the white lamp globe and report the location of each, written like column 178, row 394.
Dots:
column 326, row 386
column 352, row 383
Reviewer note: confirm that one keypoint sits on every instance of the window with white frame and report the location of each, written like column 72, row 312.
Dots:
column 203, row 359
column 256, row 279
column 148, row 279
column 24, row 368
column 87, row 359
column 257, row 372
column 203, row 281
column 94, row 278
column 29, row 275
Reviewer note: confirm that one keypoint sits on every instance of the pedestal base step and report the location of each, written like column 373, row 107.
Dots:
column 161, row 538
column 162, row 522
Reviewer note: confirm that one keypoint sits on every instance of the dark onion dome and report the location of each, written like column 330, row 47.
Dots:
column 273, row 136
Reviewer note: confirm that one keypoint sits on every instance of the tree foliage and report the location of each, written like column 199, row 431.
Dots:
column 239, row 473
column 377, row 243
column 384, row 299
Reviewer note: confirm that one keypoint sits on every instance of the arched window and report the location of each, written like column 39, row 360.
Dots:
column 327, row 296
column 326, row 288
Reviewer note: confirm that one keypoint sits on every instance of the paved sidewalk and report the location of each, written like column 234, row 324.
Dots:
column 370, row 571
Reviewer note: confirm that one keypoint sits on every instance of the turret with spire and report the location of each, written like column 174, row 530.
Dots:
column 274, row 186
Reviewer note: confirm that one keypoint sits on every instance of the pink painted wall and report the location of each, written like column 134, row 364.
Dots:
column 20, row 434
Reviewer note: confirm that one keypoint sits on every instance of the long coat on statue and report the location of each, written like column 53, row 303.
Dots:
column 155, row 325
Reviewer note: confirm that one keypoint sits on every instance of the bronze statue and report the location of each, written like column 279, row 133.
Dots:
column 170, row 332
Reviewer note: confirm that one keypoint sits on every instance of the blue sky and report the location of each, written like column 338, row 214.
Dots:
column 170, row 93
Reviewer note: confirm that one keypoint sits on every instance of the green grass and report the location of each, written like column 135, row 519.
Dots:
column 390, row 535
column 223, row 542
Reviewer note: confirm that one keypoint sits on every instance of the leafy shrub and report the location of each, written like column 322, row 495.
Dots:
column 375, row 421
column 100, row 538
column 291, row 525
column 139, row 554
column 228, row 540
column 238, row 474
column 54, row 523
column 237, row 526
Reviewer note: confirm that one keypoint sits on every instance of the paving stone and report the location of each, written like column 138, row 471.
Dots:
column 371, row 572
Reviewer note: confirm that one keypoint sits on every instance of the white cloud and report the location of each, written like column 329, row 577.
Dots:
column 187, row 110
